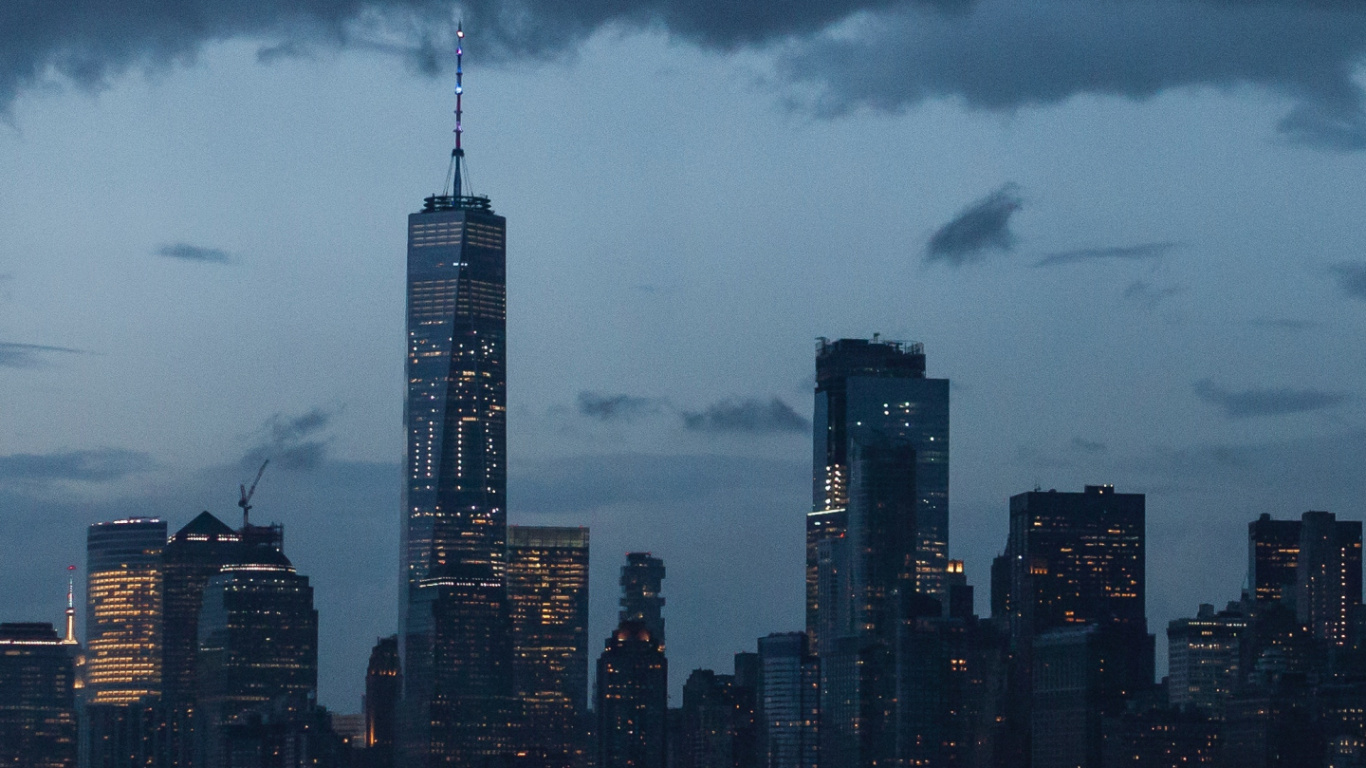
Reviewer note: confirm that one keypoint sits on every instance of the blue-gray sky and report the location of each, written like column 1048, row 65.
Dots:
column 1129, row 232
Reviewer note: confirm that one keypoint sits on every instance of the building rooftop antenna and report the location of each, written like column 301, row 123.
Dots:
column 458, row 154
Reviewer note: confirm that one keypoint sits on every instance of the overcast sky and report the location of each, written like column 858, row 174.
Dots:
column 1129, row 231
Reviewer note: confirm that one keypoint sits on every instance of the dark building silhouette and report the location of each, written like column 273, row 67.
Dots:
column 1160, row 738
column 871, row 392
column 383, row 685
column 1077, row 595
column 789, row 702
column 290, row 732
column 641, row 600
column 466, row 692
column 37, row 698
column 258, row 640
column 632, row 700
column 745, row 697
column 1328, row 576
column 124, row 618
column 706, row 735
column 1273, row 556
column 192, row 556
column 547, row 582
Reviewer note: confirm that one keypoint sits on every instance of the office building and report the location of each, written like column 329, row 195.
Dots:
column 37, row 705
column 1204, row 659
column 745, row 696
column 1273, row 556
column 383, row 685
column 789, row 702
column 1076, row 563
column 632, row 700
column 258, row 640
column 872, row 393
column 547, row 583
column 124, row 611
column 1328, row 576
column 706, row 733
column 641, row 598
column 468, row 691
column 192, row 556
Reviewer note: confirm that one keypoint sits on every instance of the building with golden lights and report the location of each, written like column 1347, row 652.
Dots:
column 124, row 611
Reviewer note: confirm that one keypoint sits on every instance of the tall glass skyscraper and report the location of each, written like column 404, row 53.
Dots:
column 874, row 396
column 124, row 611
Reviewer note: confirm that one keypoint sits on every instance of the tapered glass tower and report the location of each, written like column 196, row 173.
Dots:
column 454, row 415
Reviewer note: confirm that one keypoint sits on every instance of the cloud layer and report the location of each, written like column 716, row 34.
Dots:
column 748, row 415
column 883, row 54
column 1142, row 252
column 290, row 442
column 92, row 466
column 14, row 355
column 1265, row 402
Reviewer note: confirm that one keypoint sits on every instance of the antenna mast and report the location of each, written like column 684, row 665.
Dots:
column 70, row 638
column 458, row 153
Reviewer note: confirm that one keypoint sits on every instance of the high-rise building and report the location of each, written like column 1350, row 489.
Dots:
column 455, row 427
column 632, row 700
column 258, row 640
column 641, row 580
column 1077, row 564
column 1328, row 576
column 745, row 695
column 789, row 702
column 192, row 556
column 37, row 698
column 874, row 394
column 1273, row 556
column 707, row 731
column 124, row 611
column 547, row 583
column 1204, row 659
column 383, row 684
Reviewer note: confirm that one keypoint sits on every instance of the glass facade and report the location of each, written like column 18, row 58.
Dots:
column 124, row 611
column 789, row 702
column 38, row 708
column 869, row 393
column 547, row 582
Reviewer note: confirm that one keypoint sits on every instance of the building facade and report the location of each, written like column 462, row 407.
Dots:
column 641, row 593
column 632, row 700
column 547, row 582
column 38, row 706
column 789, row 702
column 124, row 611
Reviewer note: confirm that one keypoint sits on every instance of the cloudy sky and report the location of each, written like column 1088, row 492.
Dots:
column 1129, row 231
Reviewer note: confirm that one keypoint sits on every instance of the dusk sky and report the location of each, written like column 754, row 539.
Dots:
column 1131, row 232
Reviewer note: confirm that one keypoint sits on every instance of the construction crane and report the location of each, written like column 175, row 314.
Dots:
column 245, row 503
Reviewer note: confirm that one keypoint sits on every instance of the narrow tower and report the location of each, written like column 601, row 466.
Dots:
column 454, row 521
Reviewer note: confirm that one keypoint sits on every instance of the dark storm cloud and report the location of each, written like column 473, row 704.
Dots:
column 13, row 355
column 618, row 407
column 291, row 442
column 1147, row 294
column 1351, row 276
column 748, row 415
column 1142, row 252
column 187, row 252
column 1265, row 402
column 888, row 54
column 981, row 227
column 1005, row 54
column 94, row 466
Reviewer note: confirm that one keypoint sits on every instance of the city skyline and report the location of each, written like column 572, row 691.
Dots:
column 1218, row 381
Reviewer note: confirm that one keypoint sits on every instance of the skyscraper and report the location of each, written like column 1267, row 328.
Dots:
column 789, row 702
column 1077, row 598
column 547, row 582
column 1328, row 576
column 382, row 687
column 258, row 640
column 873, row 393
column 1273, row 555
column 632, row 700
column 37, row 708
column 641, row 580
column 454, row 520
column 124, row 611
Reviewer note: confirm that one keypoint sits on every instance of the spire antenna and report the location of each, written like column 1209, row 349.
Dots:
column 458, row 154
column 70, row 638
